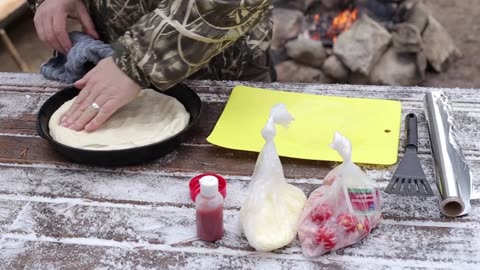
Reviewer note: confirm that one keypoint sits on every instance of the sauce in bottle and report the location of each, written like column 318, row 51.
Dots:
column 209, row 206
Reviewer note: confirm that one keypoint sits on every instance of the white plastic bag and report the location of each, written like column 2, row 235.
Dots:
column 342, row 211
column 269, row 217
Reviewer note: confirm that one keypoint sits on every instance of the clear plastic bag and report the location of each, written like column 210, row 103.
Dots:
column 269, row 217
column 342, row 211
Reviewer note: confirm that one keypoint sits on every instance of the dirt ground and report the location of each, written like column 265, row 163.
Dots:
column 461, row 19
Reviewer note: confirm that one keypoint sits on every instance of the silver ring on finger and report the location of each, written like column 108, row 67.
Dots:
column 95, row 107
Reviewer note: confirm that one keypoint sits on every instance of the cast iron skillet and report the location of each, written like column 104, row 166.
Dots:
column 130, row 156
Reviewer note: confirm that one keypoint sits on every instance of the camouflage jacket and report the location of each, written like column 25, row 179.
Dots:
column 162, row 42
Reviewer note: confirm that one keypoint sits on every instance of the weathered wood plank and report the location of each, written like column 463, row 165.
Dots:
column 184, row 159
column 13, row 121
column 18, row 112
column 160, row 188
column 175, row 228
column 22, row 122
column 28, row 81
column 136, row 216
column 15, row 105
column 9, row 211
column 132, row 188
column 35, row 81
column 26, row 126
column 58, row 254
column 219, row 91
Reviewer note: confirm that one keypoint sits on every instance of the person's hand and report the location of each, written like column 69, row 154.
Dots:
column 105, row 89
column 51, row 22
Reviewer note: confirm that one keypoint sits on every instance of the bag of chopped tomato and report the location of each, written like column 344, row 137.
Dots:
column 341, row 212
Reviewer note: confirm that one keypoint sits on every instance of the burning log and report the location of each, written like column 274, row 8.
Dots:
column 342, row 22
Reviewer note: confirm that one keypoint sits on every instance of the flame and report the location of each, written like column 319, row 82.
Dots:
column 342, row 22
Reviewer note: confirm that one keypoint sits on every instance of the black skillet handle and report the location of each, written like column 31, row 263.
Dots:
column 411, row 127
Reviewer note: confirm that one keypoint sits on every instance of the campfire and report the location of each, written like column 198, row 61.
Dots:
column 390, row 42
column 342, row 22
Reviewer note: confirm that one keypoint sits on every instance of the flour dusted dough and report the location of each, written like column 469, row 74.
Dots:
column 150, row 118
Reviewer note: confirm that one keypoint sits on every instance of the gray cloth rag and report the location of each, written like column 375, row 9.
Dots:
column 83, row 56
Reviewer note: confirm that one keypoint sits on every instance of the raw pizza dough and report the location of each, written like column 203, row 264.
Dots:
column 150, row 118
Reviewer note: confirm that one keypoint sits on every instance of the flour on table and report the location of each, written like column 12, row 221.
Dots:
column 150, row 118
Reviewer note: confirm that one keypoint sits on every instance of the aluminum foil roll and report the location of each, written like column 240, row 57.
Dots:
column 452, row 173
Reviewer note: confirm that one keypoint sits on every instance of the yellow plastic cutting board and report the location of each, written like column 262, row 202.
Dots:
column 372, row 125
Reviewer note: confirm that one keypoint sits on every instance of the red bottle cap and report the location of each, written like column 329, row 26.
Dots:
column 194, row 185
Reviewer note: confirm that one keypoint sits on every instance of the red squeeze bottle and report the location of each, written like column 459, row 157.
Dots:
column 209, row 206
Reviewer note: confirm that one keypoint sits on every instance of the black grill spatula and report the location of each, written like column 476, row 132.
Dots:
column 409, row 178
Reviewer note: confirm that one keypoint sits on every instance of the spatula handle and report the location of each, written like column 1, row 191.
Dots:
column 411, row 126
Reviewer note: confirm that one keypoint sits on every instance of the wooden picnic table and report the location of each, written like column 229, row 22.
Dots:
column 58, row 215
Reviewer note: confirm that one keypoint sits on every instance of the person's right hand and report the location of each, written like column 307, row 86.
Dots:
column 51, row 22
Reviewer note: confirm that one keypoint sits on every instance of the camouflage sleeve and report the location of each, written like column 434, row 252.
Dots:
column 180, row 37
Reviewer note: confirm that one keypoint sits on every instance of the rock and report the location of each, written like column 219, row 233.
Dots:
column 290, row 71
column 288, row 24
column 419, row 16
column 335, row 69
column 439, row 46
column 362, row 45
column 306, row 51
column 413, row 12
column 404, row 10
column 406, row 38
column 279, row 55
column 472, row 38
column 396, row 68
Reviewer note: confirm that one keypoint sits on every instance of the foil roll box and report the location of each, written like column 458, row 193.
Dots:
column 452, row 173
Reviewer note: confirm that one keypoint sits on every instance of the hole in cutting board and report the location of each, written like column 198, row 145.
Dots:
column 387, row 130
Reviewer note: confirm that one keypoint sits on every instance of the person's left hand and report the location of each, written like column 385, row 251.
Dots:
column 106, row 86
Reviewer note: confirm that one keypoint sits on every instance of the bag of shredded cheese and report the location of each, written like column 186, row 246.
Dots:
column 269, row 217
